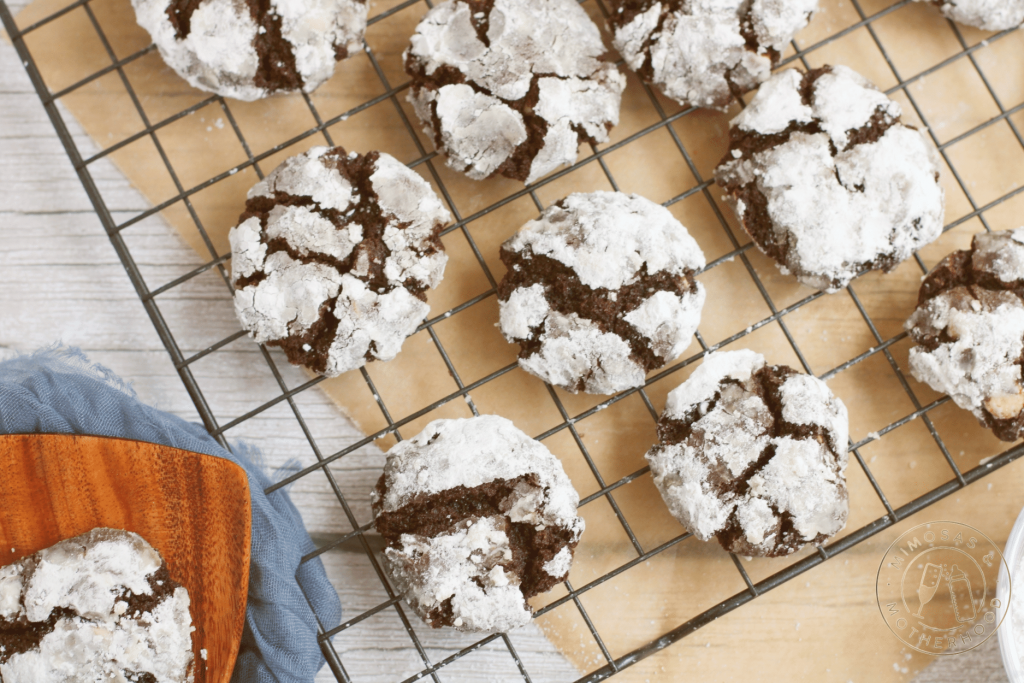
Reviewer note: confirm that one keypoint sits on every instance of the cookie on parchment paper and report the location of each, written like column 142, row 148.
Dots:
column 478, row 518
column 600, row 290
column 512, row 87
column 333, row 255
column 969, row 330
column 248, row 49
column 990, row 15
column 705, row 53
column 826, row 179
column 753, row 455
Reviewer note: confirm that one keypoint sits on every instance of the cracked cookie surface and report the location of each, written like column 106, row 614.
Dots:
column 990, row 15
column 600, row 290
column 753, row 455
column 249, row 49
column 333, row 255
column 969, row 330
column 478, row 517
column 705, row 53
column 100, row 606
column 826, row 179
column 511, row 87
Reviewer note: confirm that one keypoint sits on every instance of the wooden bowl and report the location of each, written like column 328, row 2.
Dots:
column 194, row 509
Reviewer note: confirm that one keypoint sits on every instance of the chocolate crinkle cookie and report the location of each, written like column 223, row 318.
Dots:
column 827, row 181
column 705, row 53
column 478, row 518
column 969, row 330
column 991, row 15
column 754, row 455
column 97, row 607
column 248, row 49
column 512, row 87
column 600, row 290
column 333, row 255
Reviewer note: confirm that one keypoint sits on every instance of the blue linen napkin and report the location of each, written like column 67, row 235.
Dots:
column 57, row 391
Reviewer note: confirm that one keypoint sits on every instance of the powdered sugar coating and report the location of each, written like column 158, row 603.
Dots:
column 991, row 15
column 94, row 637
column 464, row 567
column 215, row 48
column 473, row 67
column 699, row 52
column 380, row 243
column 611, row 242
column 729, row 466
column 468, row 571
column 836, row 205
column 980, row 367
column 474, row 451
column 971, row 336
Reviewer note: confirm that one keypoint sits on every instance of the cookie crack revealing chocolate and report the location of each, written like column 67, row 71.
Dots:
column 98, row 606
column 600, row 290
column 705, row 53
column 248, row 49
column 969, row 330
column 826, row 179
column 333, row 255
column 753, row 455
column 511, row 87
column 478, row 518
column 990, row 15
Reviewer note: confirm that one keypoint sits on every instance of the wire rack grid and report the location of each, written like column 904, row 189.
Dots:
column 359, row 533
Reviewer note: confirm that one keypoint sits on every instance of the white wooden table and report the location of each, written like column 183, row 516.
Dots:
column 60, row 280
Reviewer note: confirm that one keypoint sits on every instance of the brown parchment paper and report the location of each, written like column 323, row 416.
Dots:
column 822, row 626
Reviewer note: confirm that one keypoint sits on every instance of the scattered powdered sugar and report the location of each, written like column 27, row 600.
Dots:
column 219, row 53
column 991, row 15
column 980, row 366
column 696, row 51
column 837, row 212
column 474, row 451
column 609, row 240
column 94, row 637
column 288, row 296
column 464, row 568
column 550, row 43
column 728, row 428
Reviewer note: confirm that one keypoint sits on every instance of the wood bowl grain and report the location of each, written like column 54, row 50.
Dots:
column 194, row 509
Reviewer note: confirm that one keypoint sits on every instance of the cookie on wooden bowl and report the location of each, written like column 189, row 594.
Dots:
column 165, row 516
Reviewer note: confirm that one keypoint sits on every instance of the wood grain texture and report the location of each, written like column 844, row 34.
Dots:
column 194, row 509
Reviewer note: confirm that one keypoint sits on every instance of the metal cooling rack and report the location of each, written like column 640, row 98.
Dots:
column 395, row 423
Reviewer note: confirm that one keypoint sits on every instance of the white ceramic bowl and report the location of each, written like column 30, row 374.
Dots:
column 1009, row 647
